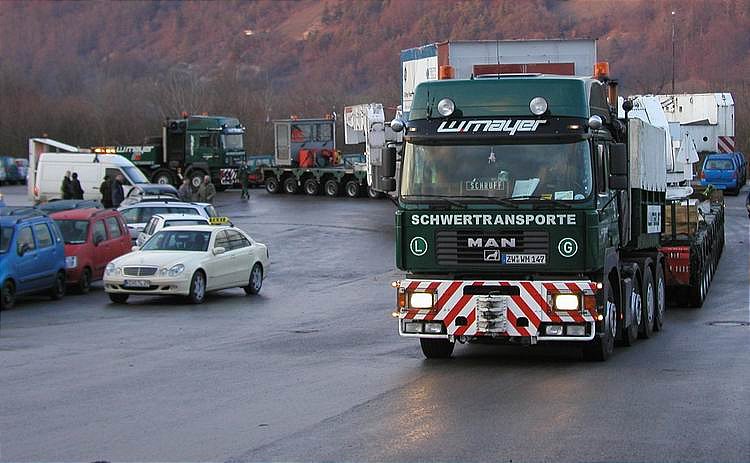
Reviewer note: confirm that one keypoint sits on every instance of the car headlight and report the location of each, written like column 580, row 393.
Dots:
column 71, row 262
column 176, row 270
column 566, row 302
column 111, row 269
column 421, row 300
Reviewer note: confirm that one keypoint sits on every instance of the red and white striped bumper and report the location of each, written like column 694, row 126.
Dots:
column 525, row 309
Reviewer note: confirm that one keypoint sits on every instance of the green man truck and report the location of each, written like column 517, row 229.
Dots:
column 190, row 147
column 529, row 212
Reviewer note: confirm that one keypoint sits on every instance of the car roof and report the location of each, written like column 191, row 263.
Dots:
column 81, row 214
column 10, row 216
column 181, row 216
column 720, row 156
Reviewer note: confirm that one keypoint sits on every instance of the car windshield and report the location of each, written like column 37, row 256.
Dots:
column 181, row 222
column 211, row 211
column 134, row 174
column 719, row 164
column 74, row 231
column 6, row 233
column 178, row 240
column 546, row 171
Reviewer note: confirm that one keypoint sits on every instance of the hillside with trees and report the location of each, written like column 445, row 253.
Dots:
column 102, row 72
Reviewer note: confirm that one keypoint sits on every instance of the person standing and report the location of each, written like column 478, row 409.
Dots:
column 65, row 188
column 118, row 192
column 76, row 190
column 243, row 180
column 106, row 190
column 206, row 191
column 185, row 192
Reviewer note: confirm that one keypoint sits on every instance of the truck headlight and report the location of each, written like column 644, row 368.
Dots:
column 71, row 262
column 566, row 302
column 176, row 270
column 420, row 300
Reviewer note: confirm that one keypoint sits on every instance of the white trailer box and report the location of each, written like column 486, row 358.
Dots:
column 707, row 117
column 482, row 57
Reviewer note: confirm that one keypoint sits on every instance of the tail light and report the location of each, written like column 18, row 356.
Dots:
column 36, row 191
column 703, row 175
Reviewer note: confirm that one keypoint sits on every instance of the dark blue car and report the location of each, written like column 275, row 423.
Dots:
column 32, row 255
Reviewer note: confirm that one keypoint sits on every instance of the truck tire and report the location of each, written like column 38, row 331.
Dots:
column 661, row 298
column 436, row 348
column 290, row 185
column 311, row 187
column 331, row 187
column 163, row 177
column 352, row 189
column 630, row 332
column 373, row 194
column 272, row 185
column 601, row 347
column 698, row 284
column 648, row 304
column 196, row 178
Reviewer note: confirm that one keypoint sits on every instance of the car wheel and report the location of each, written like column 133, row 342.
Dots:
column 84, row 284
column 256, row 280
column 198, row 288
column 58, row 290
column 119, row 298
column 8, row 295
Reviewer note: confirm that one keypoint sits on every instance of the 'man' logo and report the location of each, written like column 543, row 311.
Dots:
column 491, row 243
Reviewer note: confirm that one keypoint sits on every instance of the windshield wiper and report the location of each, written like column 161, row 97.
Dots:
column 447, row 199
column 501, row 201
column 556, row 202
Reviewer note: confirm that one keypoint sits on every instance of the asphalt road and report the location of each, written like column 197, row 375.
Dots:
column 313, row 369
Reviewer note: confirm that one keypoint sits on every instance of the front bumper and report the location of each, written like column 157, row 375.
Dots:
column 157, row 285
column 499, row 309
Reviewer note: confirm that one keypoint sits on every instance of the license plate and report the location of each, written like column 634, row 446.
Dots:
column 524, row 258
column 137, row 283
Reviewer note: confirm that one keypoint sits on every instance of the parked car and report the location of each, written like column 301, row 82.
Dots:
column 721, row 171
column 150, row 192
column 23, row 169
column 12, row 174
column 32, row 255
column 68, row 204
column 741, row 166
column 189, row 261
column 93, row 238
column 138, row 214
column 159, row 221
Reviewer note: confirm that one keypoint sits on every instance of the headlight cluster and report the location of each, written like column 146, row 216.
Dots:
column 566, row 302
column 172, row 271
column 71, row 262
column 421, row 300
column 111, row 269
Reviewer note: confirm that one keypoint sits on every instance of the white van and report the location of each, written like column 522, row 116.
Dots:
column 91, row 169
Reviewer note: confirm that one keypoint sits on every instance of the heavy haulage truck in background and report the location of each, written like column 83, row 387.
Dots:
column 529, row 212
column 190, row 147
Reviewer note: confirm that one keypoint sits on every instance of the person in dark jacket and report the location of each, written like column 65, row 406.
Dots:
column 106, row 190
column 118, row 192
column 76, row 190
column 65, row 189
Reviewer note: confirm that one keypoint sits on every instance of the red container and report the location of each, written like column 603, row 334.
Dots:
column 306, row 158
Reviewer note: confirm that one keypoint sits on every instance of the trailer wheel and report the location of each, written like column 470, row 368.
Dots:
column 272, row 185
column 290, row 185
column 630, row 332
column 601, row 347
column 648, row 305
column 163, row 177
column 661, row 298
column 331, row 187
column 698, row 285
column 436, row 348
column 352, row 188
column 311, row 187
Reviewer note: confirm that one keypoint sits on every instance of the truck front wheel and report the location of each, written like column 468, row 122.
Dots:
column 196, row 178
column 436, row 348
column 602, row 346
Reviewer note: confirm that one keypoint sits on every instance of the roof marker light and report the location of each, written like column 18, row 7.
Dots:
column 538, row 106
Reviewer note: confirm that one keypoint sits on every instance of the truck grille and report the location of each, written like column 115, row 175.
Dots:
column 139, row 271
column 453, row 248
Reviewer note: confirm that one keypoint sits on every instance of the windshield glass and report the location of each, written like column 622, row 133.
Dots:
column 134, row 174
column 178, row 241
column 74, row 231
column 719, row 164
column 182, row 222
column 5, row 234
column 233, row 142
column 549, row 171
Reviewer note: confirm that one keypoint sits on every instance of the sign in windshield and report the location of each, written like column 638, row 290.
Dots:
column 547, row 171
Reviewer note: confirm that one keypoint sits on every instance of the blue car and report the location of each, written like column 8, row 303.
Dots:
column 32, row 255
column 723, row 172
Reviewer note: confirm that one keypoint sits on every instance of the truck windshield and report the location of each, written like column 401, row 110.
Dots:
column 74, row 231
column 544, row 171
column 232, row 142
column 5, row 235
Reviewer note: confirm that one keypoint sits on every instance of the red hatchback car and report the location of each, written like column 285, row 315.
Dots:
column 93, row 238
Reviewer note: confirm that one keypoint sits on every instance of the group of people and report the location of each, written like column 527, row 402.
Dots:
column 71, row 187
column 205, row 193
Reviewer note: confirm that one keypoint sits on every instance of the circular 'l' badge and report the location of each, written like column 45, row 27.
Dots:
column 418, row 246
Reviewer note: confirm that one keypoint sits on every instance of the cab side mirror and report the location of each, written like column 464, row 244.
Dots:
column 618, row 166
column 135, row 248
